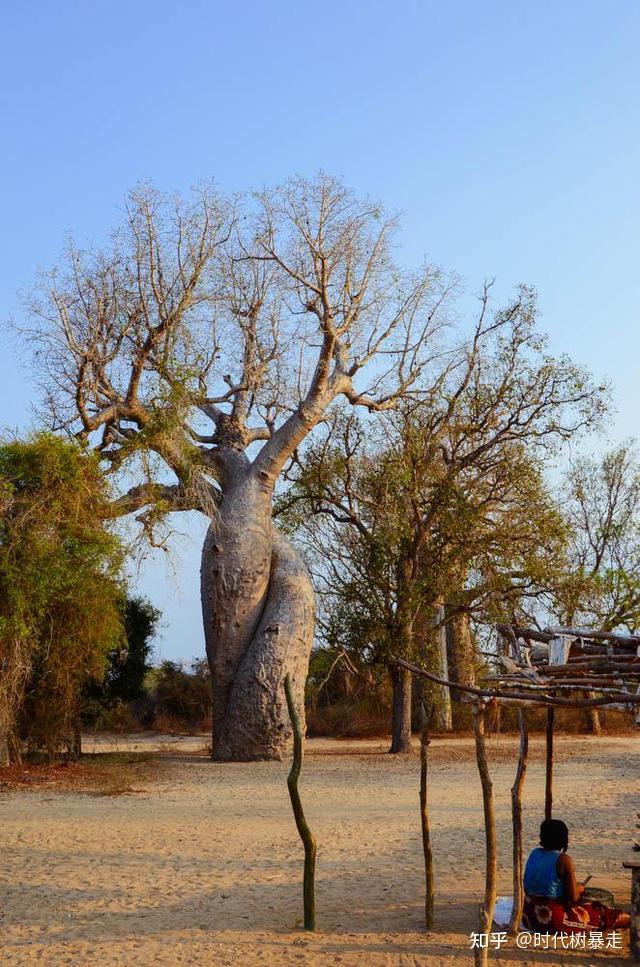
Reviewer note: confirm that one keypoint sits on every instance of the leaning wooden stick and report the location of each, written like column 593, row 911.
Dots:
column 516, row 818
column 548, row 785
column 424, row 823
column 481, row 954
column 306, row 835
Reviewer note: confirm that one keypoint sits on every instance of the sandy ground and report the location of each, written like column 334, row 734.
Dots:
column 202, row 865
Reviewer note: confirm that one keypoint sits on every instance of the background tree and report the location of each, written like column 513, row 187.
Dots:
column 603, row 508
column 445, row 505
column 602, row 502
column 180, row 696
column 129, row 665
column 196, row 352
column 59, row 591
column 122, row 691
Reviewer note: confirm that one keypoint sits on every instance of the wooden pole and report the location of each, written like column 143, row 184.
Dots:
column 481, row 954
column 429, row 895
column 516, row 818
column 306, row 835
column 634, row 936
column 548, row 788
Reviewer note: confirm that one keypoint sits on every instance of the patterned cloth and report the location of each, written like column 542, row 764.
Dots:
column 543, row 915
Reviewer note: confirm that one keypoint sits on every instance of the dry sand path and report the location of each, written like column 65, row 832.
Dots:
column 203, row 865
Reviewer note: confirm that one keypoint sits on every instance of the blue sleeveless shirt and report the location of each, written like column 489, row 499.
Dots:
column 540, row 874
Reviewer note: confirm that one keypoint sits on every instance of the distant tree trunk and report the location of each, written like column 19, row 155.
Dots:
column 400, row 710
column 75, row 745
column 443, row 719
column 592, row 718
column 460, row 648
column 8, row 751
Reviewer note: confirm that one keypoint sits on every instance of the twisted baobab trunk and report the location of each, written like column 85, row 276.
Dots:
column 258, row 611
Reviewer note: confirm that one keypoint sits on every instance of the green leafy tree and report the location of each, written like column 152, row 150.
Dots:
column 129, row 665
column 59, row 590
column 183, row 696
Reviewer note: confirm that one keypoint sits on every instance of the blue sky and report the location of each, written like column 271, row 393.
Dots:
column 508, row 134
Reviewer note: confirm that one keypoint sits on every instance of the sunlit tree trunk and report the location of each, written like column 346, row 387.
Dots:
column 443, row 720
column 460, row 648
column 258, row 611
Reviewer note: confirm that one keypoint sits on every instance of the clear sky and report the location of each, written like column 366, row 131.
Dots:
column 507, row 132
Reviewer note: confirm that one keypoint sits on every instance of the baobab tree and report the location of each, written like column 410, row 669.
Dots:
column 196, row 352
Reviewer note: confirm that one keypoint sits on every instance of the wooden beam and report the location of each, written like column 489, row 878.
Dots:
column 624, row 698
column 612, row 636
column 530, row 634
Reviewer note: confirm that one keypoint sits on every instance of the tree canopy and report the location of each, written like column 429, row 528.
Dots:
column 443, row 504
column 210, row 324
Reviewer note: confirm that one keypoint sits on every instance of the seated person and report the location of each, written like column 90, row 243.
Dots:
column 553, row 897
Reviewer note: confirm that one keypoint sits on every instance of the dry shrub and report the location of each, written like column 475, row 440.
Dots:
column 361, row 719
column 569, row 720
column 177, row 724
column 118, row 718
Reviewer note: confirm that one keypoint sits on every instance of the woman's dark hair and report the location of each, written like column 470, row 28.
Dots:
column 554, row 834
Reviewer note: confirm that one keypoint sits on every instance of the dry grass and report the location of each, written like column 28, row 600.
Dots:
column 106, row 774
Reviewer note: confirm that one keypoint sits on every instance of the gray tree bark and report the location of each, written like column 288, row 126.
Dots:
column 460, row 648
column 400, row 710
column 443, row 718
column 258, row 610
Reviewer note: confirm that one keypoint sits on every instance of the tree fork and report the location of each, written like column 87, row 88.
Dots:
column 308, row 840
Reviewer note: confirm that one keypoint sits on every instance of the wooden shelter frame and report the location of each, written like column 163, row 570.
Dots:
column 576, row 668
